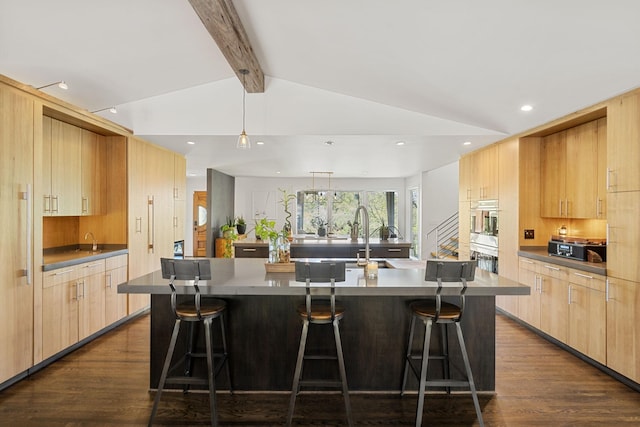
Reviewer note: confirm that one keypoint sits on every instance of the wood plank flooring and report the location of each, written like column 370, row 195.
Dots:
column 105, row 384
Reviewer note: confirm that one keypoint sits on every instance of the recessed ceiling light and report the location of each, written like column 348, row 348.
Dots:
column 329, row 143
column 277, row 172
column 466, row 143
column 399, row 143
column 260, row 143
column 526, row 107
column 191, row 143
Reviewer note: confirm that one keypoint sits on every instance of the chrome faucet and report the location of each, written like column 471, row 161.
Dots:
column 94, row 246
column 365, row 227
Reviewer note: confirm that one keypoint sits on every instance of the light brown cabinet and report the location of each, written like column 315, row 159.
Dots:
column 554, row 307
column 569, row 173
column 115, row 303
column 72, row 305
column 61, row 168
column 16, row 208
column 478, row 175
column 529, row 305
column 623, row 236
column 623, row 333
column 587, row 309
column 601, row 201
column 92, row 173
column 179, row 196
column 623, row 143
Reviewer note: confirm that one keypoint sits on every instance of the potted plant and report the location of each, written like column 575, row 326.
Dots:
column 286, row 198
column 229, row 235
column 321, row 225
column 279, row 245
column 384, row 231
column 241, row 225
column 228, row 228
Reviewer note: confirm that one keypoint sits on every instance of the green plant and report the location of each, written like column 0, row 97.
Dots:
column 286, row 198
column 240, row 221
column 266, row 229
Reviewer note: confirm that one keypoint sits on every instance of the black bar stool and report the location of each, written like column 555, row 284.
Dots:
column 199, row 310
column 320, row 312
column 436, row 311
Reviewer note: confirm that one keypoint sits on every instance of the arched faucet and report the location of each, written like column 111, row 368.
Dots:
column 365, row 227
column 94, row 245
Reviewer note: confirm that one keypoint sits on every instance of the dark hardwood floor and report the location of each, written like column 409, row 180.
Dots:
column 105, row 384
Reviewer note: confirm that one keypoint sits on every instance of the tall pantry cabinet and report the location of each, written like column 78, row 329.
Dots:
column 156, row 194
column 16, row 213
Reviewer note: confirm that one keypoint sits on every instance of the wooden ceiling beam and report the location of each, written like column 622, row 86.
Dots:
column 221, row 20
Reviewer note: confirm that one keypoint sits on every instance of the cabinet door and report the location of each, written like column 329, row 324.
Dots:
column 601, row 201
column 582, row 171
column 465, row 172
column 16, row 301
column 587, row 331
column 59, row 316
column 623, row 333
column 65, row 169
column 554, row 302
column 115, row 304
column 553, row 159
column 91, row 309
column 623, row 143
column 623, row 235
column 93, row 178
column 529, row 305
column 139, row 236
column 488, row 164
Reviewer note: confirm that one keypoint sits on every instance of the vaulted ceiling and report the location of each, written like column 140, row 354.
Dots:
column 363, row 74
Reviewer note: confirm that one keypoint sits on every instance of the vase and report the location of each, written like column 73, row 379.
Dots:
column 322, row 231
column 242, row 228
column 279, row 250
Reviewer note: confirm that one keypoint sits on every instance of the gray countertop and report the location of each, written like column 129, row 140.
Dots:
column 247, row 276
column 66, row 257
column 542, row 254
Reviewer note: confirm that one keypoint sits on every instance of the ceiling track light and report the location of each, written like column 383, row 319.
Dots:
column 243, row 139
column 112, row 110
column 61, row 84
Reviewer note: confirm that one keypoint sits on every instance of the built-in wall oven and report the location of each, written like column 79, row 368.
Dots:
column 483, row 238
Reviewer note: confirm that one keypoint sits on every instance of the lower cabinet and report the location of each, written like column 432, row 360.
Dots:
column 554, row 306
column 115, row 304
column 72, row 305
column 623, row 332
column 587, row 309
column 529, row 305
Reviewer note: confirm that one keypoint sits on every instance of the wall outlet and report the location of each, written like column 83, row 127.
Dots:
column 529, row 234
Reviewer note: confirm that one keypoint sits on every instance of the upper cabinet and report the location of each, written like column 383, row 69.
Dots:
column 93, row 178
column 478, row 175
column 569, row 173
column 623, row 143
column 61, row 168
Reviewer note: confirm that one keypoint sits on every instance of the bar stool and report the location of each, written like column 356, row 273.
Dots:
column 436, row 311
column 203, row 310
column 320, row 312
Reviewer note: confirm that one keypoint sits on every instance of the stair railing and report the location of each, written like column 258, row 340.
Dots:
column 446, row 236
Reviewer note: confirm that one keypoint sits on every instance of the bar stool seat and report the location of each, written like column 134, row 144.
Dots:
column 199, row 310
column 435, row 311
column 320, row 312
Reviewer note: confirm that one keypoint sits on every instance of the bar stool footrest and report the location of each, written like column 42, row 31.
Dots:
column 320, row 383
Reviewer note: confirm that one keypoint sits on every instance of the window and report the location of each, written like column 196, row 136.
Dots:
column 338, row 208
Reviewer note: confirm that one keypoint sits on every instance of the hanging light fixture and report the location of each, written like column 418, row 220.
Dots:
column 243, row 139
column 61, row 84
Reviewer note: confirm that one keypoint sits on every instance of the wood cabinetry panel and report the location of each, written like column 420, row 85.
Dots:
column 623, row 143
column 623, row 334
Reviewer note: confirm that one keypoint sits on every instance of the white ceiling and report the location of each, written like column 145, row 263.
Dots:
column 361, row 73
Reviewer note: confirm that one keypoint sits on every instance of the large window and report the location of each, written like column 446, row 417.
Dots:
column 414, row 222
column 337, row 209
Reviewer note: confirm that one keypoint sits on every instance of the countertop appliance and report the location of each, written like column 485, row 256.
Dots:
column 583, row 249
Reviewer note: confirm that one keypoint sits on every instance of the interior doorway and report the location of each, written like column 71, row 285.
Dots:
column 200, row 223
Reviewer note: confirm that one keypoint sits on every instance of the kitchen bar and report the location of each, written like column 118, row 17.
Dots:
column 263, row 329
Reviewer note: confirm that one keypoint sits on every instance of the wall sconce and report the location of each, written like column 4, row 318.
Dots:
column 61, row 84
column 562, row 230
column 111, row 110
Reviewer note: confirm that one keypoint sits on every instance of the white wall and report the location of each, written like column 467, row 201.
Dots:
column 439, row 201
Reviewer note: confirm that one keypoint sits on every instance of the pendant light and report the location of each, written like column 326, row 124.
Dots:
column 243, row 139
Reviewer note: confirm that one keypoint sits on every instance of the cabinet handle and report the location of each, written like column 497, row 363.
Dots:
column 583, row 275
column 552, row 268
column 54, row 206
column 249, row 249
column 394, row 250
column 150, row 224
column 566, row 205
column 108, row 276
column 560, row 207
column 569, row 294
column 85, row 205
column 598, row 207
column 26, row 195
column 608, row 180
column 138, row 224
column 47, row 203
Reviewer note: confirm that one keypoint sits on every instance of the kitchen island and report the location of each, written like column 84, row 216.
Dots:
column 264, row 329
